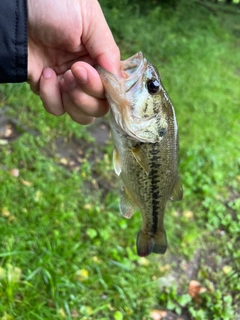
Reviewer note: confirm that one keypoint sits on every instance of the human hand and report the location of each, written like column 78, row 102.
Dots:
column 65, row 40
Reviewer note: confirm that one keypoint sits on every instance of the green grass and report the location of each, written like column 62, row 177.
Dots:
column 66, row 253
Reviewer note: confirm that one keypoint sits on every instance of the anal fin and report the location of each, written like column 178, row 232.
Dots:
column 127, row 207
column 177, row 191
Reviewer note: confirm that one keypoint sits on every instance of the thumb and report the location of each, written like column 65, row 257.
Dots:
column 98, row 39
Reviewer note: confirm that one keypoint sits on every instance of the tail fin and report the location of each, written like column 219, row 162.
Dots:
column 147, row 244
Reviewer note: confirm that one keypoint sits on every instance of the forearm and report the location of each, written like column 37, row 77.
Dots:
column 13, row 40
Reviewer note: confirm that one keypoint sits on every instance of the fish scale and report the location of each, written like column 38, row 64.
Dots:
column 156, row 194
column 145, row 137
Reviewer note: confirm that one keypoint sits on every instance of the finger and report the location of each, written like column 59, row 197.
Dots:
column 87, row 104
column 50, row 93
column 88, row 79
column 74, row 112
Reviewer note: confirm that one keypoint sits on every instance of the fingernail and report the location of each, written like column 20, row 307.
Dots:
column 47, row 73
column 81, row 74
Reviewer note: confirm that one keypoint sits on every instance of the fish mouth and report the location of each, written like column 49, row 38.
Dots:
column 132, row 64
column 132, row 70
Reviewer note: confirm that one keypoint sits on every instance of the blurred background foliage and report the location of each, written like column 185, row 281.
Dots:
column 66, row 253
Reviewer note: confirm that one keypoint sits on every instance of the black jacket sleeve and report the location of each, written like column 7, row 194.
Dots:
column 13, row 41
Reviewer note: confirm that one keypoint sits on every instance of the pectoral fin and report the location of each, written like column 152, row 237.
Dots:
column 127, row 207
column 140, row 157
column 116, row 162
column 177, row 191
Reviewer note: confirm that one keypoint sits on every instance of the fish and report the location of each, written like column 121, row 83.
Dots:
column 145, row 136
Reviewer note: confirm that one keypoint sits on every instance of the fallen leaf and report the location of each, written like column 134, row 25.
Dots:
column 96, row 259
column 87, row 206
column 158, row 314
column 86, row 310
column 13, row 273
column 6, row 317
column 25, row 183
column 227, row 269
column 38, row 195
column 195, row 289
column 14, row 172
column 3, row 142
column 176, row 214
column 61, row 313
column 63, row 161
column 5, row 213
column 81, row 275
column 188, row 214
column 72, row 163
column 143, row 262
column 165, row 268
column 9, row 131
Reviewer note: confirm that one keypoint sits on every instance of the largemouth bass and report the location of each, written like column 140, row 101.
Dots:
column 145, row 135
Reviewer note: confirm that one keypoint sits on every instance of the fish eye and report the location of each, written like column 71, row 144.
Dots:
column 153, row 86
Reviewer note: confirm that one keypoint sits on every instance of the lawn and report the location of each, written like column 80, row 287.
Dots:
column 65, row 251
